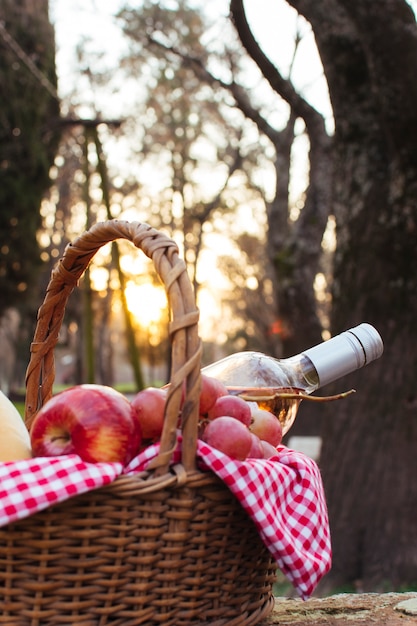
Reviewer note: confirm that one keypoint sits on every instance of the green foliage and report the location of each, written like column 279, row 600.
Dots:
column 284, row 263
column 282, row 587
column 20, row 406
column 28, row 140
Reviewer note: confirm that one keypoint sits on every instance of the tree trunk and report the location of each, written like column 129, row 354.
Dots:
column 29, row 110
column 369, row 53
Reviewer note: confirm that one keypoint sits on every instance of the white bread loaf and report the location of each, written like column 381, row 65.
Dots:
column 14, row 436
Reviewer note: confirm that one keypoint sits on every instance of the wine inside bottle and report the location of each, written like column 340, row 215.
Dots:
column 271, row 399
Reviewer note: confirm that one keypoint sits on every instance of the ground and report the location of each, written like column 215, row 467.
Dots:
column 389, row 609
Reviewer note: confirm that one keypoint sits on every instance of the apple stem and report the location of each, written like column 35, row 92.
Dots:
column 298, row 396
column 60, row 438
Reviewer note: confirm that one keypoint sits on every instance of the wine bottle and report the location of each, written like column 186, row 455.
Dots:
column 279, row 385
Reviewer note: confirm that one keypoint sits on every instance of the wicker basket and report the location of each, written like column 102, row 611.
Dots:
column 168, row 546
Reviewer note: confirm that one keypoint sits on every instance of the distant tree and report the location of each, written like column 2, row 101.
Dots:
column 189, row 136
column 294, row 246
column 29, row 110
column 251, row 298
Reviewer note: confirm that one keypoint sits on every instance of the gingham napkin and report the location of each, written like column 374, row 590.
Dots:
column 283, row 496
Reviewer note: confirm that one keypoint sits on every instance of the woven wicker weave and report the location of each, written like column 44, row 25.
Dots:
column 168, row 546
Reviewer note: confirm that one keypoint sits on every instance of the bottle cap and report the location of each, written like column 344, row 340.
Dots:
column 345, row 353
column 370, row 340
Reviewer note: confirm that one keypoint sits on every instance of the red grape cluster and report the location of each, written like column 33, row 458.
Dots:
column 238, row 428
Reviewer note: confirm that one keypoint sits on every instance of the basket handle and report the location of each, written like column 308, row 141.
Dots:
column 183, row 330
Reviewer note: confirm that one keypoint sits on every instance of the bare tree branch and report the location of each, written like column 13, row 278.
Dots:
column 312, row 119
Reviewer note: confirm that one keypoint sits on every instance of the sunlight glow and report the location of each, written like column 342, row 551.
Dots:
column 147, row 303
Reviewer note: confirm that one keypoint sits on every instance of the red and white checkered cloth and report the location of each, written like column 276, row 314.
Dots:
column 283, row 496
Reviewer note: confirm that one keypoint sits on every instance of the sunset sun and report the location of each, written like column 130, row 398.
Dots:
column 148, row 303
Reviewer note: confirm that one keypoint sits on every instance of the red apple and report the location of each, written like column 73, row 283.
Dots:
column 94, row 421
column 149, row 406
column 268, row 450
column 232, row 406
column 266, row 426
column 230, row 436
column 211, row 389
column 256, row 451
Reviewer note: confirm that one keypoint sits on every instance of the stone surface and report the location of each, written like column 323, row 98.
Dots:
column 409, row 607
column 345, row 609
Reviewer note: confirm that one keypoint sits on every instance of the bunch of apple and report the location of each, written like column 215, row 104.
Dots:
column 238, row 428
column 101, row 425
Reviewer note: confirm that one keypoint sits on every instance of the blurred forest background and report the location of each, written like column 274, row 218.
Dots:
column 284, row 164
